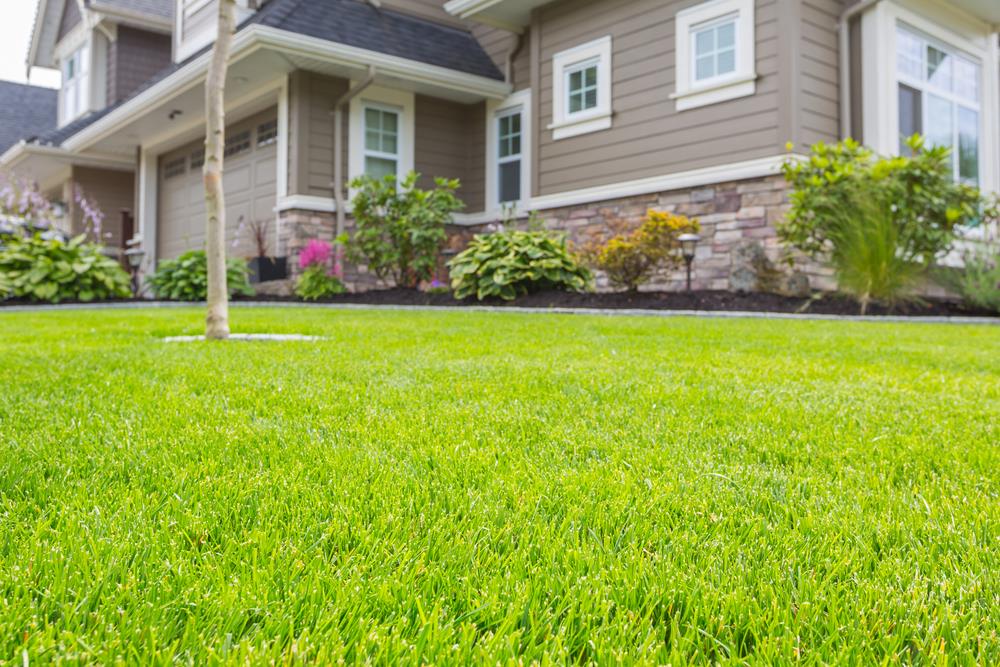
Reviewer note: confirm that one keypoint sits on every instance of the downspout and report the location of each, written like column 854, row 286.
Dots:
column 338, row 162
column 508, row 75
column 845, row 63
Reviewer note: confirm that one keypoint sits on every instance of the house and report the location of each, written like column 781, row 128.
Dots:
column 587, row 111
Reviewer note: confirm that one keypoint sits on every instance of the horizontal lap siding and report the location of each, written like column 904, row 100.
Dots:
column 649, row 137
column 818, row 74
column 311, row 99
column 450, row 143
column 112, row 191
column 497, row 44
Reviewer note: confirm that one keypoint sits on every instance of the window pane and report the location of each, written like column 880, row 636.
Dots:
column 939, row 68
column 704, row 42
column 515, row 123
column 389, row 121
column 727, row 62
column 968, row 145
column 373, row 119
column 575, row 81
column 515, row 144
column 389, row 143
column 940, row 124
column 909, row 55
column 704, row 68
column 726, row 35
column 590, row 100
column 372, row 142
column 377, row 167
column 910, row 116
column 590, row 76
column 504, row 125
column 575, row 102
column 967, row 79
column 510, row 181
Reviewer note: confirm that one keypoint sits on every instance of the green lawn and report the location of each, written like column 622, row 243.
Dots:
column 455, row 487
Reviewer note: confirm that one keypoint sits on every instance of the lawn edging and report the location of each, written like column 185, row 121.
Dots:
column 629, row 312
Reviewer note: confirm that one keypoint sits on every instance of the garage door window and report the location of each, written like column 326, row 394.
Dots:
column 174, row 168
column 267, row 133
column 381, row 142
column 237, row 144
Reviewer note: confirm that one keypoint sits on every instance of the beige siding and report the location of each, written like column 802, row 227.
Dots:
column 819, row 80
column 450, row 139
column 498, row 43
column 451, row 143
column 112, row 191
column 649, row 137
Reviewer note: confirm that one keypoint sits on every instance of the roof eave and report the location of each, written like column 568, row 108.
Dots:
column 257, row 36
column 137, row 19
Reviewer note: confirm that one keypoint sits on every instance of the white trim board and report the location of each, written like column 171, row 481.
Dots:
column 737, row 171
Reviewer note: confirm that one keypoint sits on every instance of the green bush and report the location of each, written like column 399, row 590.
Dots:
column 316, row 282
column 978, row 282
column 927, row 204
column 186, row 278
column 54, row 270
column 400, row 230
column 513, row 263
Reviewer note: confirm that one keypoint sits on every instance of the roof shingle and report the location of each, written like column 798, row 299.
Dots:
column 26, row 112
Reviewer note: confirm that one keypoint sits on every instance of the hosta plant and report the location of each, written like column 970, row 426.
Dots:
column 513, row 263
column 186, row 277
column 53, row 270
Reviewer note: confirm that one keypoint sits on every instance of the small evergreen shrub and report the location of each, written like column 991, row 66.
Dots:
column 629, row 260
column 186, row 277
column 318, row 280
column 53, row 270
column 400, row 228
column 509, row 264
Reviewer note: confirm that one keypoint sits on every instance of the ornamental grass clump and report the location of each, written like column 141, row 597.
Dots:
column 631, row 259
column 510, row 264
column 319, row 279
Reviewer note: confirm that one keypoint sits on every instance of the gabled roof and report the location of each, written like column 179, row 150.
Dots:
column 351, row 22
column 357, row 23
column 26, row 112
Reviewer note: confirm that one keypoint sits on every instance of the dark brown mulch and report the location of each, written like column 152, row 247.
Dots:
column 698, row 300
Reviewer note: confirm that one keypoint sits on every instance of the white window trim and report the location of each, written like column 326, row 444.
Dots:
column 396, row 100
column 79, row 38
column 494, row 109
column 740, row 83
column 880, row 100
column 565, row 124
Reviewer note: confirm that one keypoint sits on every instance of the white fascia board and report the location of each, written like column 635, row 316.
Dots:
column 133, row 18
column 257, row 36
column 738, row 171
column 466, row 8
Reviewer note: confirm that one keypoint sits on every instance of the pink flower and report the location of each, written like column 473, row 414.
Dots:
column 315, row 252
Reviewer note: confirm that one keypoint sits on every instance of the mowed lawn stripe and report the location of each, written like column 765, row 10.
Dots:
column 466, row 487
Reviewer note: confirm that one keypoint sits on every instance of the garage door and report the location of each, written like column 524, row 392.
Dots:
column 249, row 179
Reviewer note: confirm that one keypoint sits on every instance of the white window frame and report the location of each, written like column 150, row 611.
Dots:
column 566, row 124
column 401, row 102
column 81, row 50
column 520, row 100
column 742, row 82
column 879, row 78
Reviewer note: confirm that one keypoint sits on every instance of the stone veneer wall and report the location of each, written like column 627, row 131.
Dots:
column 731, row 215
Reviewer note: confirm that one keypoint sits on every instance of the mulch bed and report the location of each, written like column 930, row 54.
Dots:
column 697, row 300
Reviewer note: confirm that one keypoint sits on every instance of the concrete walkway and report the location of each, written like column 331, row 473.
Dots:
column 636, row 312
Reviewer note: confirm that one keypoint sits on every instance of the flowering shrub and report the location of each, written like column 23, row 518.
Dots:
column 629, row 260
column 319, row 279
column 437, row 287
column 23, row 209
column 186, row 278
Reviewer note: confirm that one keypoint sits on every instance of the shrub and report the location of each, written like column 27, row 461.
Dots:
column 920, row 189
column 978, row 281
column 513, row 263
column 186, row 278
column 318, row 280
column 53, row 270
column 400, row 230
column 629, row 260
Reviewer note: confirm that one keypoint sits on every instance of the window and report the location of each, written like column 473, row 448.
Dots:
column 236, row 144
column 714, row 50
column 509, row 156
column 381, row 142
column 75, row 84
column 267, row 133
column 175, row 167
column 197, row 158
column 715, row 53
column 939, row 97
column 582, row 98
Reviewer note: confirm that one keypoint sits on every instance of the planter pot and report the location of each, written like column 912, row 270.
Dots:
column 265, row 269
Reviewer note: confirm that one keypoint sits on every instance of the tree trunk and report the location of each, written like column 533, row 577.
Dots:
column 217, row 320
